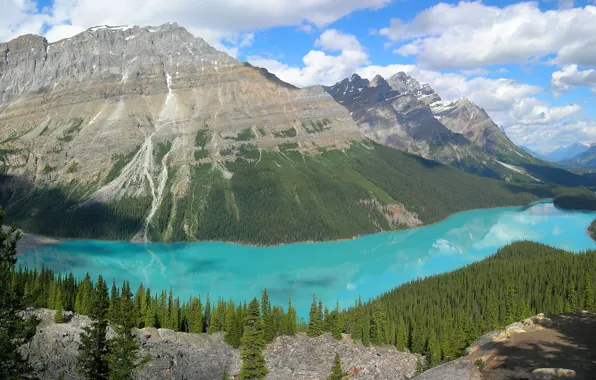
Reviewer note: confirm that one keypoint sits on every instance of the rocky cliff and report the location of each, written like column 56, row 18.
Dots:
column 150, row 134
column 402, row 113
column 54, row 351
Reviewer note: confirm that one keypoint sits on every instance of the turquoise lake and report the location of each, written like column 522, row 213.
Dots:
column 341, row 270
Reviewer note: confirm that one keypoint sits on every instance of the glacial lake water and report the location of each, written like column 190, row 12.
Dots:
column 342, row 270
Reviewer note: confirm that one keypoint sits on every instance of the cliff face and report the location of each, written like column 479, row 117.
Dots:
column 54, row 351
column 72, row 106
column 402, row 113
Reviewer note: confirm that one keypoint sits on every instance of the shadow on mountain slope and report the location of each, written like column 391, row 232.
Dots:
column 56, row 212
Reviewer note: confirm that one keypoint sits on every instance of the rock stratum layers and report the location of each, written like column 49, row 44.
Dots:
column 150, row 134
column 404, row 114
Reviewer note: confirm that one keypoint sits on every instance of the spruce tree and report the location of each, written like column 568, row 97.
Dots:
column 123, row 350
column 207, row 318
column 59, row 314
column 232, row 335
column 268, row 320
column 378, row 325
column 315, row 322
column 196, row 316
column 292, row 319
column 14, row 330
column 336, row 371
column 401, row 338
column 588, row 295
column 253, row 344
column 336, row 323
column 92, row 363
column 366, row 332
column 433, row 351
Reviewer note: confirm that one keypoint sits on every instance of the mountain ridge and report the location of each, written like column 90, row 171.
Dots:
column 149, row 133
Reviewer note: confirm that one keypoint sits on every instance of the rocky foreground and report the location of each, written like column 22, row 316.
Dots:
column 54, row 352
column 539, row 348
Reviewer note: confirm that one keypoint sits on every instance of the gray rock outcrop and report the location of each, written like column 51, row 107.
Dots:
column 54, row 351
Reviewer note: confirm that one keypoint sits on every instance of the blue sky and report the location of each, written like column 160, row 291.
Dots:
column 530, row 65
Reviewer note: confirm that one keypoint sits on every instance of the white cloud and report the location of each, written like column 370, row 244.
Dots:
column 570, row 77
column 319, row 66
column 213, row 20
column 471, row 34
column 510, row 104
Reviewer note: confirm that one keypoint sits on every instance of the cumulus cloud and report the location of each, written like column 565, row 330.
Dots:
column 341, row 55
column 471, row 34
column 213, row 20
column 510, row 103
column 571, row 76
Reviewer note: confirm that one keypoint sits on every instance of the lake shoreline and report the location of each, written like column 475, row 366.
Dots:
column 30, row 241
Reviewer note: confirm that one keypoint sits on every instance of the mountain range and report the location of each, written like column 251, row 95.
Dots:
column 149, row 133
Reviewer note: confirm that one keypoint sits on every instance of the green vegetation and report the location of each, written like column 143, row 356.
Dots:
column 73, row 167
column 160, row 150
column 200, row 154
column 48, row 169
column 583, row 201
column 248, row 151
column 336, row 371
column 441, row 315
column 120, row 161
column 290, row 132
column 70, row 132
column 287, row 197
column 316, row 126
column 44, row 130
column 288, row 146
column 14, row 330
column 262, row 131
column 202, row 138
column 437, row 316
column 244, row 135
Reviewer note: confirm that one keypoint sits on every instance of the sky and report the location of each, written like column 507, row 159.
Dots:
column 530, row 65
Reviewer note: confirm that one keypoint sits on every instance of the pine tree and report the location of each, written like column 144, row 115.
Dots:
column 336, row 371
column 378, row 325
column 207, row 318
column 92, row 363
column 123, row 350
column 196, row 316
column 292, row 319
column 253, row 344
column 510, row 305
column 433, row 351
column 336, row 326
column 59, row 314
column 16, row 331
column 572, row 297
column 232, row 336
column 358, row 320
column 314, row 320
column 588, row 296
column 401, row 338
column 366, row 332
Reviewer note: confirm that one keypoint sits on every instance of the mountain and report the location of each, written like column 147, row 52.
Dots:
column 534, row 153
column 585, row 159
column 150, row 134
column 566, row 152
column 402, row 113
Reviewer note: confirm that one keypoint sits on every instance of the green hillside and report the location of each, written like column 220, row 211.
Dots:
column 274, row 197
column 441, row 315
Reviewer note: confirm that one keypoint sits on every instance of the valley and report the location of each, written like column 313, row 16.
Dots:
column 378, row 222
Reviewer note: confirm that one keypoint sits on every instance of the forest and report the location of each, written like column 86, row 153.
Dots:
column 437, row 316
column 584, row 201
column 273, row 198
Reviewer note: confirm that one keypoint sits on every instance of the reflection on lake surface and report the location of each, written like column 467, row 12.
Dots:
column 342, row 270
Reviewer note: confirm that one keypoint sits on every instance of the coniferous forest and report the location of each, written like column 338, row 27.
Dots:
column 437, row 316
